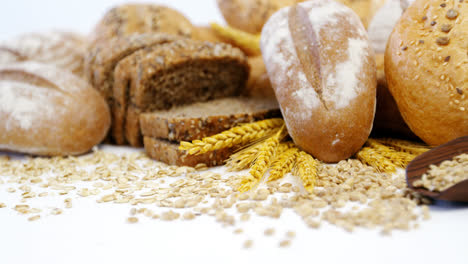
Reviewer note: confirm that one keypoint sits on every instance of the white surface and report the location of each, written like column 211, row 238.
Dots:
column 98, row 233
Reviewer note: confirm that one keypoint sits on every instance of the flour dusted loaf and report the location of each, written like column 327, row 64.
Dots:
column 322, row 69
column 66, row 50
column 170, row 74
column 48, row 111
column 199, row 120
column 251, row 15
column 426, row 64
column 128, row 19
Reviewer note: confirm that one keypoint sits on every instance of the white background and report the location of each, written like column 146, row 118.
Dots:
column 98, row 233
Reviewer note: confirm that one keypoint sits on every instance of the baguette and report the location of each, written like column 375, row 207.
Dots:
column 322, row 69
column 199, row 120
column 48, row 111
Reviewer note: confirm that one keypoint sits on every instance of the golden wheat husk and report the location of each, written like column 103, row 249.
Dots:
column 404, row 146
column 284, row 162
column 399, row 158
column 262, row 162
column 249, row 43
column 234, row 137
column 372, row 158
column 306, row 168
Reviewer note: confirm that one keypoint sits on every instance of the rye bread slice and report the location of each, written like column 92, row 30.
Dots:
column 199, row 120
column 169, row 153
column 175, row 73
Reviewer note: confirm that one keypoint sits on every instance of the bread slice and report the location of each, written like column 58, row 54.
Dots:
column 169, row 153
column 199, row 120
column 170, row 74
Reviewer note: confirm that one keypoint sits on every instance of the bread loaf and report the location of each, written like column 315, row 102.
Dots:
column 427, row 69
column 199, row 120
column 131, row 19
column 66, row 50
column 259, row 84
column 170, row 74
column 322, row 69
column 251, row 15
column 47, row 111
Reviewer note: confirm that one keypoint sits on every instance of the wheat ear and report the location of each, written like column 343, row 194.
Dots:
column 236, row 136
column 404, row 146
column 306, row 169
column 283, row 162
column 262, row 162
column 372, row 158
column 399, row 158
column 244, row 158
column 247, row 42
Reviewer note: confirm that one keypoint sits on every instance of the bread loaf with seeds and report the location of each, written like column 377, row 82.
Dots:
column 426, row 65
column 48, row 111
column 170, row 74
column 129, row 19
column 322, row 69
column 199, row 120
column 66, row 50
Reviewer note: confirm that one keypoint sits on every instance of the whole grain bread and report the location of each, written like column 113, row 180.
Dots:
column 174, row 73
column 199, row 120
column 169, row 153
column 128, row 19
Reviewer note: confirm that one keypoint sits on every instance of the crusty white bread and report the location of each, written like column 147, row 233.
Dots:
column 322, row 69
column 48, row 111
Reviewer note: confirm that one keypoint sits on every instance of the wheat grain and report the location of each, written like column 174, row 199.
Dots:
column 234, row 137
column 404, row 146
column 284, row 163
column 262, row 162
column 372, row 158
column 306, row 169
column 398, row 158
column 247, row 42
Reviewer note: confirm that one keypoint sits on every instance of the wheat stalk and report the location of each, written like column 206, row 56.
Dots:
column 372, row 158
column 262, row 162
column 284, row 162
column 400, row 159
column 404, row 146
column 236, row 136
column 247, row 42
column 306, row 169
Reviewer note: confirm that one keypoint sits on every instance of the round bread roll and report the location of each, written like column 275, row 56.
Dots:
column 322, row 69
column 129, row 19
column 66, row 50
column 426, row 66
column 259, row 84
column 48, row 111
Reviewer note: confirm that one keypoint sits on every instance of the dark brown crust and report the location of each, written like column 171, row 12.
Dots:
column 189, row 129
column 169, row 153
column 135, row 76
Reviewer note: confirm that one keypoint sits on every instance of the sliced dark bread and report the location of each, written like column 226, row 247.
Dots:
column 170, row 74
column 199, row 120
column 169, row 153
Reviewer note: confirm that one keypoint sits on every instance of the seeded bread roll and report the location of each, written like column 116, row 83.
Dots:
column 66, row 50
column 322, row 69
column 199, row 120
column 169, row 153
column 426, row 66
column 129, row 19
column 170, row 74
column 48, row 111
